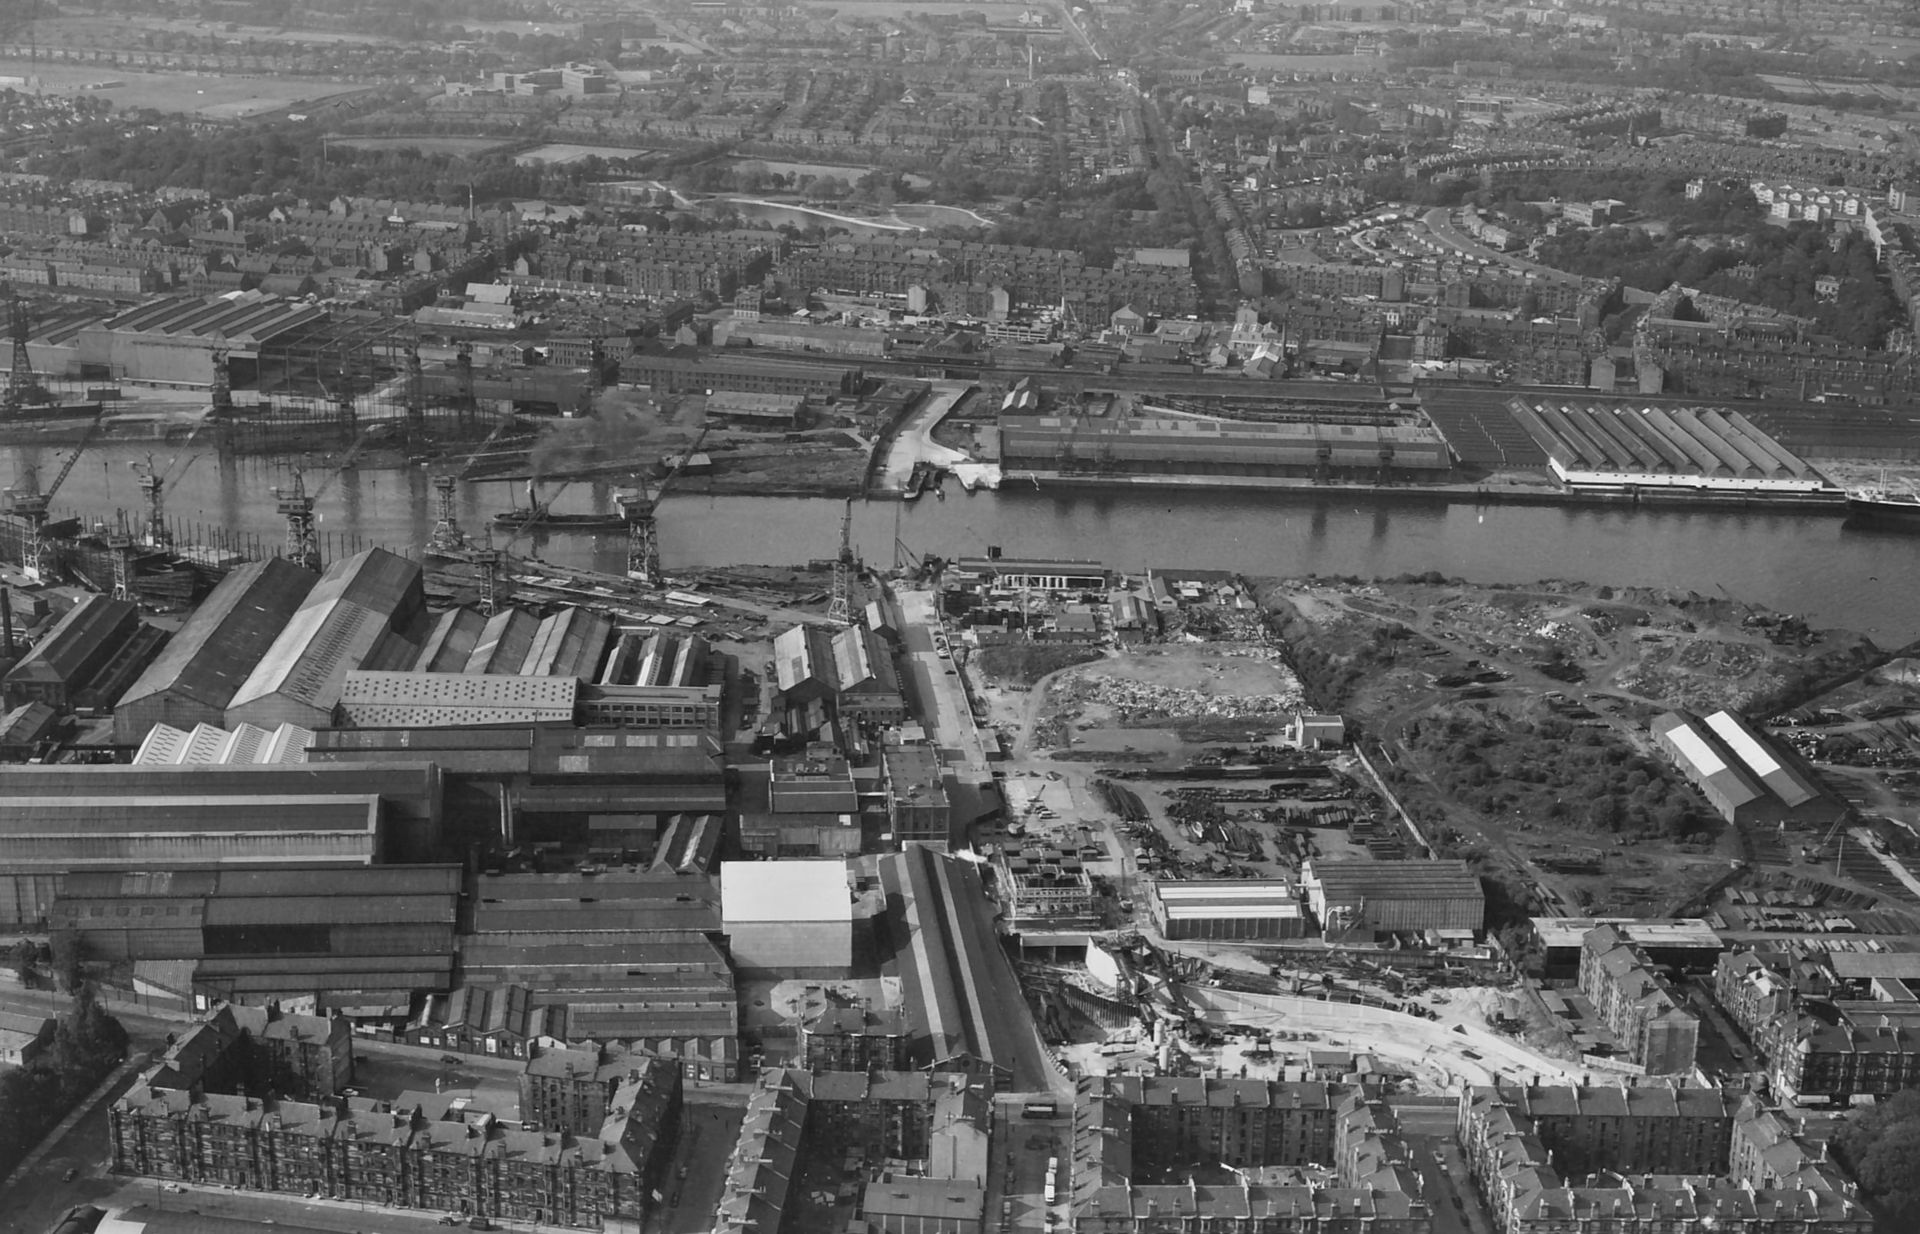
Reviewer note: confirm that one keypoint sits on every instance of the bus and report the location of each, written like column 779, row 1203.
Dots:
column 1040, row 1109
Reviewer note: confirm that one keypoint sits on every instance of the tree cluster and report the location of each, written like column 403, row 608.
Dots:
column 87, row 1044
column 1553, row 770
column 1881, row 1145
column 1775, row 267
column 269, row 161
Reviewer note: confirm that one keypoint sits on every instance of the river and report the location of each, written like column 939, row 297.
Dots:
column 1811, row 565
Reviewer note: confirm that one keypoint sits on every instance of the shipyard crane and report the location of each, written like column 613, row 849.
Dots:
column 153, row 485
column 222, row 392
column 640, row 507
column 120, row 542
column 295, row 505
column 31, row 503
column 840, row 608
column 23, row 384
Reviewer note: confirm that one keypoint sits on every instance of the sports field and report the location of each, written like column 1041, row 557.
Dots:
column 202, row 94
column 462, row 146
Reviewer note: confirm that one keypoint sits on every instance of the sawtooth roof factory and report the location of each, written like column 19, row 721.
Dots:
column 1607, row 446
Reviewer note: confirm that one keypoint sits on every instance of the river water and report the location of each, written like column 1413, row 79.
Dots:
column 1811, row 565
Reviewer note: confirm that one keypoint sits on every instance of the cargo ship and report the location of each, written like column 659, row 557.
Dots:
column 1884, row 507
column 540, row 514
column 542, row 517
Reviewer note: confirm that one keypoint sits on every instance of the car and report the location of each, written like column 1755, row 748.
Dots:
column 173, row 1188
column 451, row 1060
column 72, row 1172
column 477, row 1222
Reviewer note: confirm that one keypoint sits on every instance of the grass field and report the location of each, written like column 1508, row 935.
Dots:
column 201, row 94
column 1284, row 63
column 425, row 145
column 891, row 8
column 566, row 152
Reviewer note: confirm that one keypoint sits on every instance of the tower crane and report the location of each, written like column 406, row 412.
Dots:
column 840, row 608
column 30, row 503
column 643, row 529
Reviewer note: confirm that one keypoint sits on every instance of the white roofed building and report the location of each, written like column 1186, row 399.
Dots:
column 1228, row 908
column 788, row 916
column 1747, row 775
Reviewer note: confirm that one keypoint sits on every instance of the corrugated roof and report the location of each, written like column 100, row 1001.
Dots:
column 1761, row 756
column 450, row 642
column 73, row 817
column 1707, row 760
column 225, row 638
column 1341, row 881
column 27, row 723
column 244, row 319
column 336, row 629
column 502, row 645
column 75, row 639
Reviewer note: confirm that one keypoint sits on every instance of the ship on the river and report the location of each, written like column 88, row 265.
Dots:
column 540, row 514
column 1884, row 507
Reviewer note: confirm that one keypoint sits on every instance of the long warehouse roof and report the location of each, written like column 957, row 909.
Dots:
column 224, row 639
column 336, row 627
column 1393, row 880
column 963, row 998
column 1720, row 771
column 1778, row 770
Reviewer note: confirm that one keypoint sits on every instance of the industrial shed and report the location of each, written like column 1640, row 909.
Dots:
column 196, row 675
column 347, row 937
column 1606, row 445
column 208, row 744
column 368, row 611
column 410, row 790
column 1394, row 897
column 1744, row 773
column 570, row 643
column 788, row 916
column 171, row 341
column 86, row 660
column 1228, row 909
column 607, row 787
column 964, row 1006
column 24, row 728
column 1223, row 447
column 59, row 834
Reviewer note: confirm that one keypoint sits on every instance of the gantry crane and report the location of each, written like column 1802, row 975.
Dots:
column 643, row 528
column 30, row 503
column 840, row 608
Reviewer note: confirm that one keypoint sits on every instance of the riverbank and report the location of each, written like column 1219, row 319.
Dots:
column 1285, row 488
